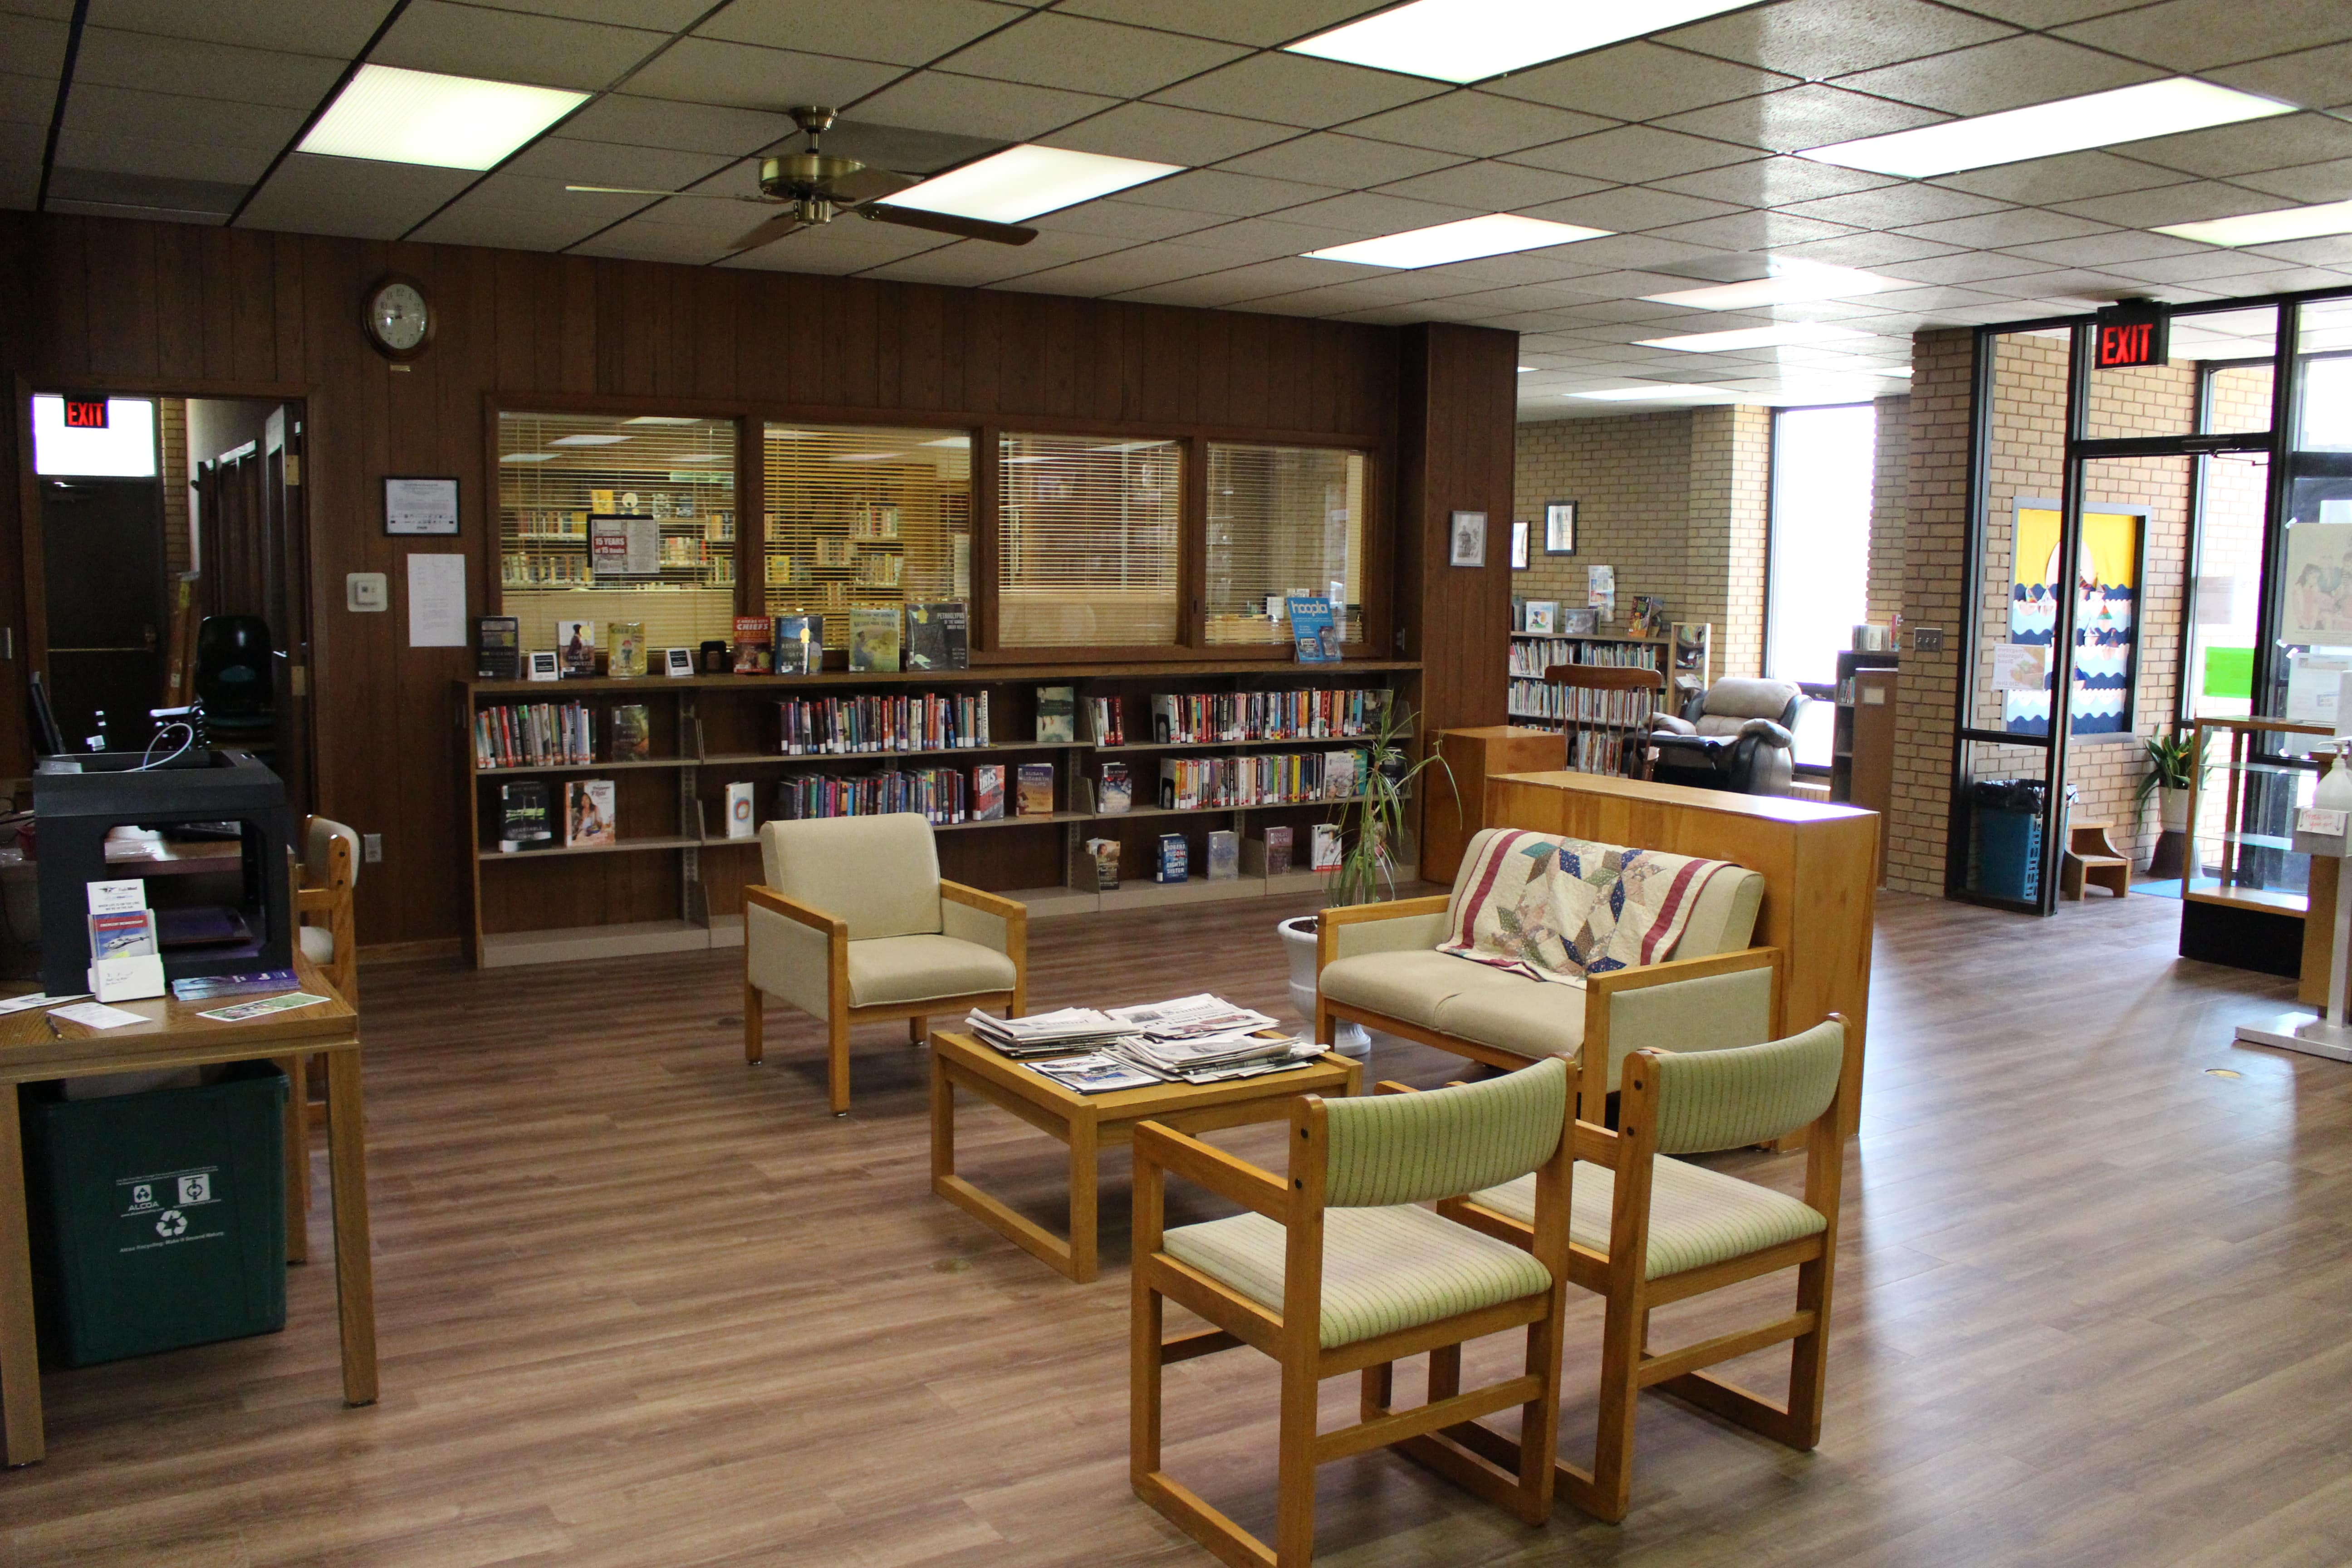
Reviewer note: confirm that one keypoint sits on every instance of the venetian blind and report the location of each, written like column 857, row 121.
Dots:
column 861, row 516
column 1087, row 551
column 658, row 490
column 1282, row 520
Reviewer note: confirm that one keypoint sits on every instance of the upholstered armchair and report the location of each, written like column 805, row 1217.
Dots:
column 853, row 925
column 1739, row 734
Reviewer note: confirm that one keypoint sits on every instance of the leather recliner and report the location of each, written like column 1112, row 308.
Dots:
column 1739, row 735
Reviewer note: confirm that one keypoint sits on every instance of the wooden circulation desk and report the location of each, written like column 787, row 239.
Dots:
column 1819, row 866
column 31, row 1049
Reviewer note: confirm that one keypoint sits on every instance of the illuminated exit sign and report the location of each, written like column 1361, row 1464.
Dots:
column 2133, row 333
column 85, row 413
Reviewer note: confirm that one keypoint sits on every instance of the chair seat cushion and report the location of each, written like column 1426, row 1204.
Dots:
column 1384, row 1270
column 318, row 943
column 1697, row 1217
column 1456, row 996
column 1410, row 985
column 892, row 969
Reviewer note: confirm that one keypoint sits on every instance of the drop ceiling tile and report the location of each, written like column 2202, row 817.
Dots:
column 1567, row 264
column 2288, row 281
column 1365, row 214
column 1297, row 90
column 1119, row 271
column 2191, row 202
column 974, row 106
column 2005, row 230
column 1868, row 250
column 169, row 157
column 28, row 99
column 667, row 15
column 115, row 112
column 560, row 160
column 2257, row 145
column 1817, row 38
column 1283, row 275
column 1774, row 182
column 1640, row 250
column 1475, row 124
column 1966, row 267
column 1755, row 230
column 33, row 46
column 641, row 241
column 20, row 182
column 1633, row 154
column 2070, row 177
column 337, row 27
column 506, row 45
column 1265, row 240
column 45, row 10
column 620, row 116
column 2317, row 79
column 2306, row 183
column 1261, row 22
column 101, row 194
column 704, row 72
column 1215, row 190
column 1630, row 208
column 1215, row 291
column 311, row 195
column 1810, row 116
column 1637, row 80
column 1163, row 133
column 839, row 249
column 2029, row 68
column 2192, row 35
column 1049, row 49
column 520, row 212
column 1130, row 221
column 1488, row 186
column 2329, row 250
column 903, row 32
column 1896, row 206
column 2203, row 265
column 111, row 57
column 1346, row 163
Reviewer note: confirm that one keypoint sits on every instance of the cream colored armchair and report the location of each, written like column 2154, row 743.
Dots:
column 853, row 925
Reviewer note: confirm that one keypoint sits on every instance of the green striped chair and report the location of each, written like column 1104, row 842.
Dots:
column 1338, row 1268
column 1646, row 1230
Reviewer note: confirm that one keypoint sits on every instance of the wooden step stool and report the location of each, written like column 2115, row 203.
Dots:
column 2090, row 858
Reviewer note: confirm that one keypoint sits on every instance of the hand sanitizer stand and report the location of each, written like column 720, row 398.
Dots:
column 2323, row 827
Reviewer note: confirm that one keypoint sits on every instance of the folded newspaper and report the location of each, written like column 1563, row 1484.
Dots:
column 1047, row 1034
column 1192, row 1039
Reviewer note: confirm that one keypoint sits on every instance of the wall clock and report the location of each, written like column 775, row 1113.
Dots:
column 398, row 320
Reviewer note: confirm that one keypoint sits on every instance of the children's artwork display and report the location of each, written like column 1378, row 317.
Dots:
column 2318, row 608
column 2105, row 585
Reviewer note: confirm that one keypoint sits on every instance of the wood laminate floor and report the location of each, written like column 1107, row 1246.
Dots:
column 642, row 1305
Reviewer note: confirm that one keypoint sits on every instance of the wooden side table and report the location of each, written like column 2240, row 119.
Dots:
column 1089, row 1123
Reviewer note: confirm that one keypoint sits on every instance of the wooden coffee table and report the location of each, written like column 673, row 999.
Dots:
column 1091, row 1122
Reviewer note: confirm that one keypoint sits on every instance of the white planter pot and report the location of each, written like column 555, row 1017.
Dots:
column 1299, row 941
column 2172, row 810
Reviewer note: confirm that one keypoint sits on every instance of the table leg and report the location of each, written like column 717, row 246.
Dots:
column 942, row 1121
column 298, row 1159
column 346, row 1182
column 1083, row 1142
column 20, row 1360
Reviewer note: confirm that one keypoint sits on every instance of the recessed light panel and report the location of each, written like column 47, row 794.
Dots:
column 1791, row 283
column 1020, row 182
column 1496, row 234
column 2044, row 130
column 1470, row 40
column 530, row 456
column 587, row 440
column 2270, row 228
column 1657, row 391
column 1786, row 334
column 395, row 116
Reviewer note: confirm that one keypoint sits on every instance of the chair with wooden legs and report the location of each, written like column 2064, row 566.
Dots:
column 1336, row 1269
column 853, row 925
column 1646, row 1230
column 328, row 935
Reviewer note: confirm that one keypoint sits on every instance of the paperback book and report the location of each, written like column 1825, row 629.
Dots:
column 741, row 810
column 753, row 652
column 1103, row 853
column 874, row 637
column 498, row 647
column 800, row 645
column 937, row 636
column 576, row 641
column 988, row 792
column 1175, row 861
column 1277, row 850
column 628, row 658
column 632, row 733
column 1118, row 793
column 1057, row 715
column 1225, row 856
column 588, row 821
column 522, row 816
column 1325, row 848
column 1035, row 797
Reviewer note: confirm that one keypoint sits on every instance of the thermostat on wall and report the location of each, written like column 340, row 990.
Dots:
column 366, row 591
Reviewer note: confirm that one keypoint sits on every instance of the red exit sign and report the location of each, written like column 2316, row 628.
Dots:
column 85, row 413
column 2132, row 334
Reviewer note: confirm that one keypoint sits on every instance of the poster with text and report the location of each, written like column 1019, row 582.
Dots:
column 2318, row 609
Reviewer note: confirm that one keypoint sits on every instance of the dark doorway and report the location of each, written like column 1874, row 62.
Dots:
column 102, row 558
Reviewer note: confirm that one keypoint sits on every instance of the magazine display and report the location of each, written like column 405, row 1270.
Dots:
column 1312, row 633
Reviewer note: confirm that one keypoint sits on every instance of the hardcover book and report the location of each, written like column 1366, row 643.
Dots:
column 800, row 643
column 1225, row 856
column 1277, row 850
column 576, row 641
column 873, row 638
column 1118, row 793
column 1036, row 790
column 522, row 816
column 753, row 654
column 1312, row 634
column 498, row 647
column 741, row 811
column 937, row 636
column 988, row 792
column 628, row 648
column 632, row 733
column 1057, row 715
column 588, row 820
column 1175, row 863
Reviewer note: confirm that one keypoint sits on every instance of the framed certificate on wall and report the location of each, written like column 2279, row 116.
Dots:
column 413, row 505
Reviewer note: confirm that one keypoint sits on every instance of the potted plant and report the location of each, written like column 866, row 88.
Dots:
column 1369, row 822
column 2174, row 760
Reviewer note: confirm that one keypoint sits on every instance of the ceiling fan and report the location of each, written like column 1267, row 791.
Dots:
column 814, row 187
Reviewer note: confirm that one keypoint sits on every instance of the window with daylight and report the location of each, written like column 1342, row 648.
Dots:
column 1087, row 551
column 1818, row 591
column 1282, row 520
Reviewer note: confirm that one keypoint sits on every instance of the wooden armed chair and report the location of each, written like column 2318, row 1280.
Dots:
column 1646, row 1230
column 855, row 926
column 325, row 931
column 1336, row 1269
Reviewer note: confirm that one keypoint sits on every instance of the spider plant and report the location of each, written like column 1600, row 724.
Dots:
column 1372, row 821
column 2173, row 761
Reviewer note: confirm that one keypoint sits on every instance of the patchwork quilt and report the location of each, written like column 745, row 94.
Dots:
column 1558, row 909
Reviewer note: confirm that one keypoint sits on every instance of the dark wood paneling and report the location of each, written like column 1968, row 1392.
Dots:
column 1456, row 398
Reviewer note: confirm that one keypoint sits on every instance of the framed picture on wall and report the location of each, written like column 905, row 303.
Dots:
column 1560, row 528
column 1519, row 532
column 1469, row 536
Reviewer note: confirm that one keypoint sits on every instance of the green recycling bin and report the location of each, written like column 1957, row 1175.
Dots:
column 159, row 1218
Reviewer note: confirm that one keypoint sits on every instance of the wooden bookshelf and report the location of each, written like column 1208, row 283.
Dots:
column 670, row 884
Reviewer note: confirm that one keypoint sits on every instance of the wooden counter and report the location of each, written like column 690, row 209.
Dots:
column 1820, row 865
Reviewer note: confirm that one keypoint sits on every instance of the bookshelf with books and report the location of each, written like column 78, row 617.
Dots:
column 1600, row 718
column 1007, row 761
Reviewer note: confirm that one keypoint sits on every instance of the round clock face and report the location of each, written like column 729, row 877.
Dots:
column 397, row 317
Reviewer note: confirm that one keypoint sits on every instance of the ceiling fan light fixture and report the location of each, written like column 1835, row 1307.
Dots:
column 389, row 115
column 1023, row 181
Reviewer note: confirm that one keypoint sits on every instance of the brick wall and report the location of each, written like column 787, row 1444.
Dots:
column 1888, row 500
column 1935, row 533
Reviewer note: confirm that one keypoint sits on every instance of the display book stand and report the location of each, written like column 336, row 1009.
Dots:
column 673, row 881
column 2322, row 830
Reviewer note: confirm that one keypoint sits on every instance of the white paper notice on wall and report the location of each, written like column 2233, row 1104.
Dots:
column 2021, row 667
column 437, row 601
column 2313, row 685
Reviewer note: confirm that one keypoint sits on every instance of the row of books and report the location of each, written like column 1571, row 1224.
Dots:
column 923, row 722
column 1210, row 717
column 883, row 638
column 1604, row 751
column 1283, row 778
column 534, row 734
column 532, row 815
column 1530, row 658
column 1581, row 705
column 946, row 796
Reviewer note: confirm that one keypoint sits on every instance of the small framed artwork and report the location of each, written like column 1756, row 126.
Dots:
column 1560, row 528
column 413, row 506
column 1519, row 532
column 1469, row 537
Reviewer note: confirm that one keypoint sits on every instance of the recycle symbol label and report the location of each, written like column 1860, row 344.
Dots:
column 172, row 1222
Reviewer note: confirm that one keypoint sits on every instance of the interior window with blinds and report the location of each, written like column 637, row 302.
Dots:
column 610, row 518
column 865, row 517
column 1282, row 520
column 1087, row 551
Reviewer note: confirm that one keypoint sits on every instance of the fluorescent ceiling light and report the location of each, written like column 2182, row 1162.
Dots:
column 395, row 116
column 1791, row 283
column 661, row 419
column 587, row 440
column 1653, row 389
column 1496, row 234
column 530, row 457
column 866, row 456
column 950, row 441
column 1470, row 40
column 2043, row 130
column 1527, row 370
column 1785, row 334
column 1021, row 181
column 2270, row 228
column 702, row 457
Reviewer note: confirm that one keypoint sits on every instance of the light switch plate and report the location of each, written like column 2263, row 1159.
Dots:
column 370, row 849
column 1927, row 639
column 366, row 591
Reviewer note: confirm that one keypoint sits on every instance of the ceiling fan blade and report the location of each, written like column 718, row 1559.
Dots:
column 948, row 223
column 870, row 184
column 768, row 232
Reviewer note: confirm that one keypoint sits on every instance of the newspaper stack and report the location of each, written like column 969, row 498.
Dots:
column 1213, row 1058
column 1047, row 1034
column 1189, row 1017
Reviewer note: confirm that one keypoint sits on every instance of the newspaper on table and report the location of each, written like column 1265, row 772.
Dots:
column 1213, row 1058
column 1047, row 1034
column 1094, row 1072
column 1188, row 1016
column 1191, row 1039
